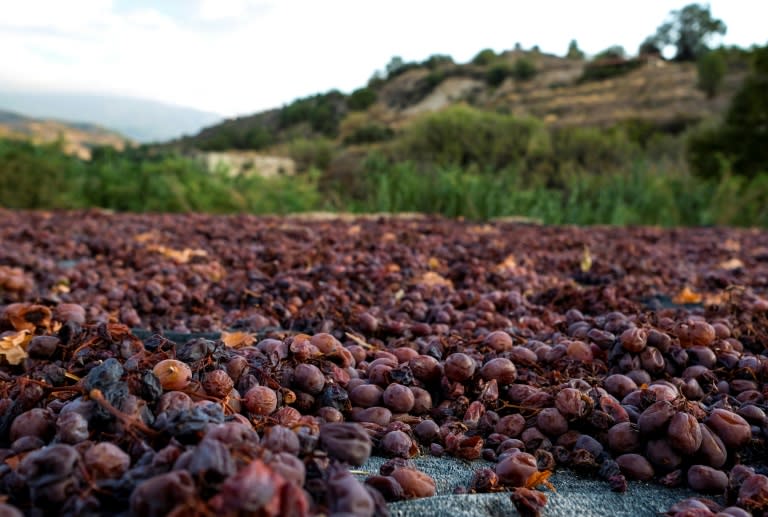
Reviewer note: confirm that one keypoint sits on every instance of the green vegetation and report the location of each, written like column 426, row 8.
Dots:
column 361, row 99
column 711, row 67
column 523, row 69
column 737, row 146
column 322, row 112
column 633, row 192
column 484, row 57
column 44, row 177
column 574, row 52
column 606, row 67
column 689, row 30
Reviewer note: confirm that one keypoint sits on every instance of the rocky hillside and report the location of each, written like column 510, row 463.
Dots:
column 560, row 91
column 77, row 139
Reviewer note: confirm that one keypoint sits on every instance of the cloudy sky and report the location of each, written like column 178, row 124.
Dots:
column 240, row 56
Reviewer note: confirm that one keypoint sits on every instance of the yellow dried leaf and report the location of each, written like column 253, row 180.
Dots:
column 716, row 298
column 431, row 279
column 144, row 237
column 237, row 339
column 433, row 263
column 686, row 296
column 540, row 478
column 732, row 264
column 13, row 346
column 586, row 260
column 508, row 264
column 178, row 256
column 28, row 316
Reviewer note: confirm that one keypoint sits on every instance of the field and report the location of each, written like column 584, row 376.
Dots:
column 633, row 353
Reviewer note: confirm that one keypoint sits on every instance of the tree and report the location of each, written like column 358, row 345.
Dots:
column 739, row 142
column 574, row 52
column 395, row 64
column 711, row 68
column 523, row 69
column 484, row 57
column 613, row 52
column 690, row 30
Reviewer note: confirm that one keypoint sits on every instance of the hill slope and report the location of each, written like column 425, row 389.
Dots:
column 78, row 138
column 139, row 119
column 560, row 91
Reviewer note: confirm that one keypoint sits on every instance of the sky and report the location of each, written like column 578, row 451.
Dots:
column 236, row 57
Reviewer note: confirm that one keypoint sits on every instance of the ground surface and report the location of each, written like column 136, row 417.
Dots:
column 679, row 314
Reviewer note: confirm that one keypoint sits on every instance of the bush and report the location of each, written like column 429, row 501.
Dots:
column 436, row 60
column 740, row 140
column 497, row 73
column 599, row 70
column 523, row 69
column 361, row 99
column 711, row 69
column 484, row 57
column 369, row 133
column 464, row 136
column 37, row 176
column 322, row 112
column 315, row 153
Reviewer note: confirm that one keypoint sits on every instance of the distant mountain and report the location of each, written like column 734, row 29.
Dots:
column 77, row 138
column 139, row 119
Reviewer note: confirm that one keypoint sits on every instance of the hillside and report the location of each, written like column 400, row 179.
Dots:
column 559, row 91
column 78, row 138
column 141, row 120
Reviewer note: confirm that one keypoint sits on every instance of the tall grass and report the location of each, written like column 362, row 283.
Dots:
column 643, row 194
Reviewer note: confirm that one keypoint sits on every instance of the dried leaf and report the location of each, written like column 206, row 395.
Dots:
column 28, row 316
column 354, row 230
column 731, row 245
column 506, row 265
column 14, row 279
column 433, row 263
column 431, row 279
column 146, row 236
column 178, row 256
column 586, row 260
column 540, row 478
column 360, row 341
column 731, row 265
column 237, row 339
column 13, row 346
column 687, row 296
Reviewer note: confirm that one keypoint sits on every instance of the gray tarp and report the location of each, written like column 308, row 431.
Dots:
column 576, row 495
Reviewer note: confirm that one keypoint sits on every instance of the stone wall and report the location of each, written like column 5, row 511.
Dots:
column 248, row 162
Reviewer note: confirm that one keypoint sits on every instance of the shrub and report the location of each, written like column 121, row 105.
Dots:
column 311, row 153
column 599, row 70
column 523, row 69
column 464, row 136
column 497, row 73
column 37, row 176
column 369, row 133
column 711, row 69
column 484, row 57
column 361, row 99
column 740, row 140
column 436, row 60
column 322, row 112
